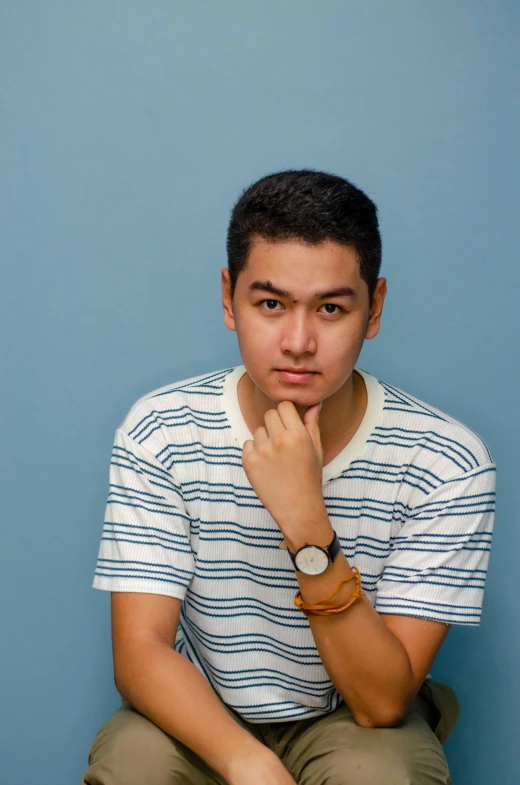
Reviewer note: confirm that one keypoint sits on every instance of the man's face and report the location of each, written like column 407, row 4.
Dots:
column 304, row 307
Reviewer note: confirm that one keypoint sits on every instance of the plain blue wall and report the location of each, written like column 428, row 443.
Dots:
column 127, row 131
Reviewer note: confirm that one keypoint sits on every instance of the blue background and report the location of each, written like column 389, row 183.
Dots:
column 128, row 130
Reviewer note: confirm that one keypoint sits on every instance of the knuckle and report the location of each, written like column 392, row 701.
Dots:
column 249, row 459
column 264, row 450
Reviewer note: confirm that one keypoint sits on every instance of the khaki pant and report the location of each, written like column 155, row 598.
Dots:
column 327, row 750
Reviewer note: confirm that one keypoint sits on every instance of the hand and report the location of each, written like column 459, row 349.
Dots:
column 284, row 465
column 266, row 769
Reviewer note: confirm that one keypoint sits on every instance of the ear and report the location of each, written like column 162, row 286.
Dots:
column 227, row 301
column 374, row 319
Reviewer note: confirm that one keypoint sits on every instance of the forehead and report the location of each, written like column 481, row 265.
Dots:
column 296, row 263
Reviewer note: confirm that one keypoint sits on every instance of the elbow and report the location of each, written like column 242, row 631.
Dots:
column 122, row 674
column 118, row 683
column 382, row 722
column 380, row 719
column 125, row 678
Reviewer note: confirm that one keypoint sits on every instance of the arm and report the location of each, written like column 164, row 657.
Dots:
column 168, row 689
column 388, row 656
column 365, row 660
column 377, row 663
column 145, row 508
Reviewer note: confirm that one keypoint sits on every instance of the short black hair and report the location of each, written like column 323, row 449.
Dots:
column 306, row 205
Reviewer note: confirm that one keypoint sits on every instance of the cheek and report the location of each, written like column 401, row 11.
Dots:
column 257, row 340
column 260, row 332
column 337, row 360
column 344, row 341
column 354, row 333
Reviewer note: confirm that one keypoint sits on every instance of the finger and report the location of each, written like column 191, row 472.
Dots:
column 311, row 422
column 289, row 415
column 247, row 448
column 273, row 422
column 260, row 436
column 312, row 413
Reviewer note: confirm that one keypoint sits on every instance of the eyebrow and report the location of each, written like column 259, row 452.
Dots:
column 267, row 286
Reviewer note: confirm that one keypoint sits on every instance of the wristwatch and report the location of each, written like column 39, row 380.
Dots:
column 313, row 559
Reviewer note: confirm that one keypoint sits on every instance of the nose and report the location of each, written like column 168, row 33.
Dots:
column 298, row 334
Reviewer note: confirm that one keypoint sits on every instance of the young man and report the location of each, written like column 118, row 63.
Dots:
column 288, row 541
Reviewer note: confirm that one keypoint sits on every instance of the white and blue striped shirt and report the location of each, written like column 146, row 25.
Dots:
column 411, row 498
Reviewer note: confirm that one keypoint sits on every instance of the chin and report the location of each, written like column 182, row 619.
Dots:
column 298, row 402
column 298, row 397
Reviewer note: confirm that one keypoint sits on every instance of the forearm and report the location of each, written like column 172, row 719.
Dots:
column 168, row 689
column 365, row 661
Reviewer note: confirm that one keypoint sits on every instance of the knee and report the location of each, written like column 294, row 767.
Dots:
column 356, row 767
column 130, row 750
column 382, row 765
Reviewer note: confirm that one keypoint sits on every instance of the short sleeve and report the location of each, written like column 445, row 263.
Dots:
column 438, row 561
column 145, row 542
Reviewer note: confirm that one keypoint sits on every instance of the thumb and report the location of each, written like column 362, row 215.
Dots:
column 311, row 422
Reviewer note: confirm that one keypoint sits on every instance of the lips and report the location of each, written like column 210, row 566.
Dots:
column 295, row 377
column 295, row 370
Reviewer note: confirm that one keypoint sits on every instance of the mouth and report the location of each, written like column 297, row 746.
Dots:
column 295, row 375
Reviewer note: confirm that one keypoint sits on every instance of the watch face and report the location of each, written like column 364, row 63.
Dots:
column 311, row 560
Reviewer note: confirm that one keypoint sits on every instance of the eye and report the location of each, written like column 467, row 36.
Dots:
column 332, row 305
column 271, row 302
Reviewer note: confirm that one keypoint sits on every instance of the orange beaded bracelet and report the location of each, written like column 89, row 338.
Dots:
column 319, row 608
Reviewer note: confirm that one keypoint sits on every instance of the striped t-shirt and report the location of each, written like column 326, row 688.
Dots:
column 411, row 498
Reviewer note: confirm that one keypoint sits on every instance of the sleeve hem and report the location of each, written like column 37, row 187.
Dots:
column 144, row 587
column 463, row 616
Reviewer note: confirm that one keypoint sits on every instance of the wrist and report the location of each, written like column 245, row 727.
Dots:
column 319, row 532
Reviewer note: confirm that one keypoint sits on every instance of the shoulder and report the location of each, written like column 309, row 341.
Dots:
column 411, row 422
column 175, row 403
